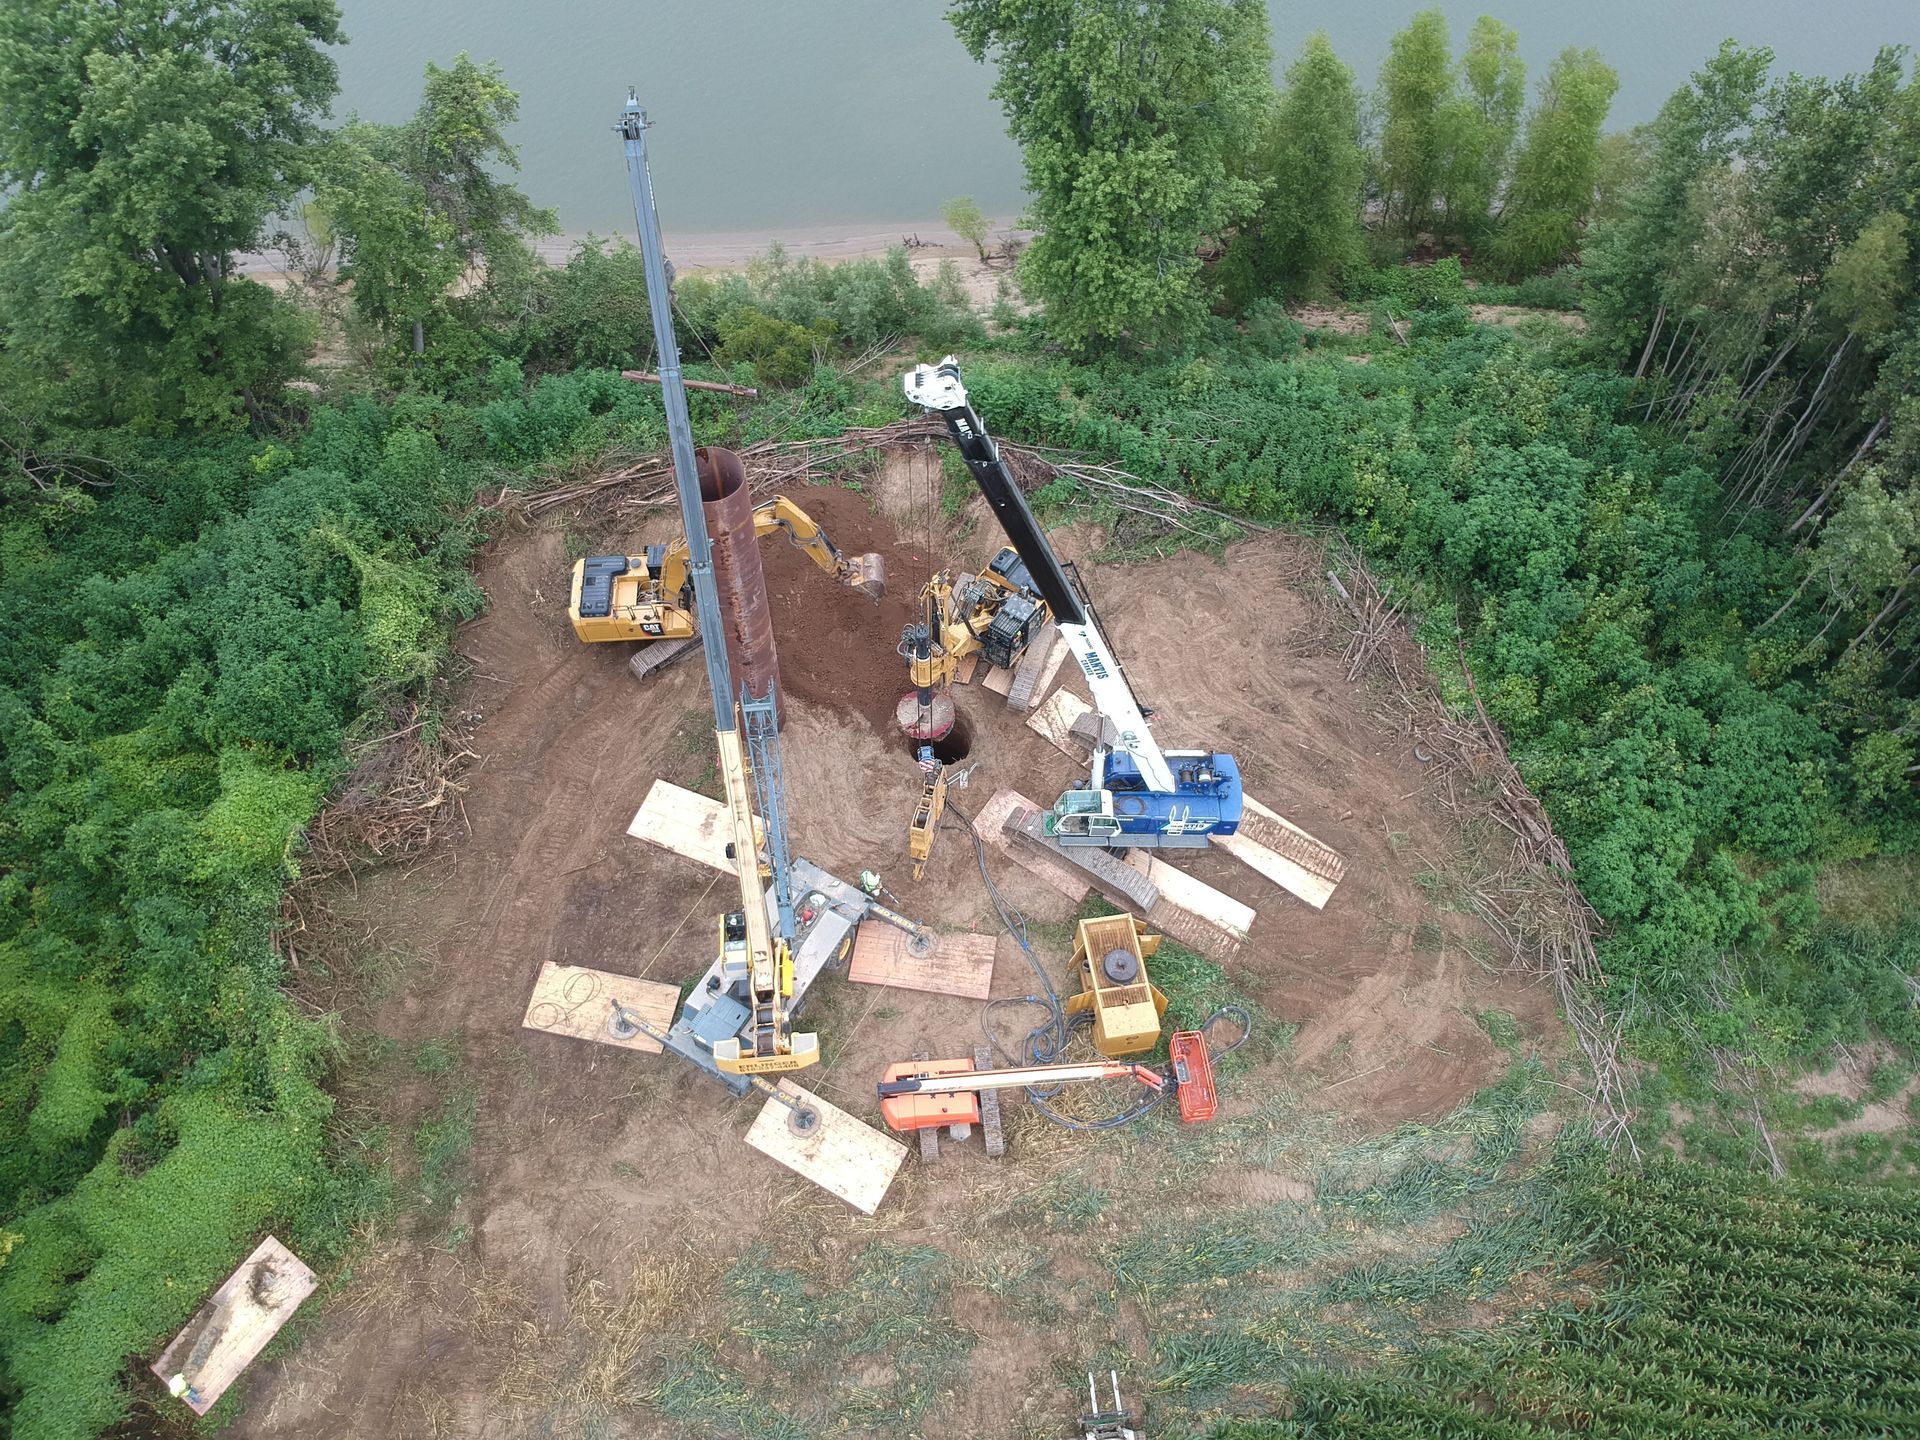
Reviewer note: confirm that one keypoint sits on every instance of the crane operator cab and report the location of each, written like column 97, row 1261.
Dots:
column 1116, row 809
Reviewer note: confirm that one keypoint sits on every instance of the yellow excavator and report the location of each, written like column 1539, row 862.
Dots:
column 648, row 596
column 995, row 615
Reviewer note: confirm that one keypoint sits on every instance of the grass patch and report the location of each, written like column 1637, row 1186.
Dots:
column 442, row 1145
column 884, row 1331
column 1501, row 1028
column 1218, row 1248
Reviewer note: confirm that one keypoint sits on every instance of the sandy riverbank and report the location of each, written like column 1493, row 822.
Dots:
column 930, row 243
column 695, row 250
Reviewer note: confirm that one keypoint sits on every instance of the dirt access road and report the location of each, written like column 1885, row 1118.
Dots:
column 606, row 1194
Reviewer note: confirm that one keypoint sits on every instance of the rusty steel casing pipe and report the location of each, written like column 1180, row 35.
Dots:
column 742, row 584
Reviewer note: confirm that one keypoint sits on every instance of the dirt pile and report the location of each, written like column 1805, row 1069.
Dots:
column 837, row 648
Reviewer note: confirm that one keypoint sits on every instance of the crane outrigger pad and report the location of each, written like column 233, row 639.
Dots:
column 235, row 1325
column 840, row 1154
column 574, row 1001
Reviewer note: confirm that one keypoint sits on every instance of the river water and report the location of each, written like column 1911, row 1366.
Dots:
column 784, row 116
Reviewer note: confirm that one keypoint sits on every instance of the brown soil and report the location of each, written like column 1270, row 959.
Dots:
column 837, row 648
column 589, row 1162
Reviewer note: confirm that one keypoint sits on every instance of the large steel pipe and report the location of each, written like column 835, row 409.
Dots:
column 742, row 584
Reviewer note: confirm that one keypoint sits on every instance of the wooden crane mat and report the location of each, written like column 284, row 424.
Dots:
column 235, row 1324
column 1184, row 892
column 687, row 824
column 1063, row 877
column 841, row 1154
column 1053, row 722
column 1037, row 671
column 957, row 965
column 572, row 1000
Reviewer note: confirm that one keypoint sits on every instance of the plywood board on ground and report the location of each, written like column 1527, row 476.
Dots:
column 1053, row 722
column 573, row 1000
column 998, row 680
column 963, row 671
column 1181, row 890
column 685, row 823
column 957, row 964
column 840, row 1154
column 1296, row 880
column 235, row 1324
column 1061, row 876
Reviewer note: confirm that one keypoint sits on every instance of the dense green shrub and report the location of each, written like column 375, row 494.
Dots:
column 187, row 652
column 1406, row 288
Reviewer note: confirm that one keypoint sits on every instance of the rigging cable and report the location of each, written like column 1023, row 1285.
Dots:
column 1047, row 1042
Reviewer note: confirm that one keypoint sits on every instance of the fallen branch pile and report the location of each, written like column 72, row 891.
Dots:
column 646, row 482
column 1526, row 893
column 403, row 791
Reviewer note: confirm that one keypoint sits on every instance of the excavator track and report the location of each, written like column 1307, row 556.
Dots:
column 1032, row 669
column 1295, row 845
column 657, row 654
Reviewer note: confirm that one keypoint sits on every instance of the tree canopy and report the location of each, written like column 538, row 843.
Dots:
column 1311, row 170
column 415, row 207
column 147, row 144
column 1416, row 86
column 1128, row 119
column 1557, row 173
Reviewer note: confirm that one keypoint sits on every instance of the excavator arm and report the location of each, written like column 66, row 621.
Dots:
column 865, row 573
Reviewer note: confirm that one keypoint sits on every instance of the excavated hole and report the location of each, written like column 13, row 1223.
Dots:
column 951, row 748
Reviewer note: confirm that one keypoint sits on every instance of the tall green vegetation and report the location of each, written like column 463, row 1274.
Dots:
column 1761, row 287
column 1729, row 1308
column 1448, row 132
column 1416, row 89
column 968, row 221
column 1311, row 168
column 416, row 207
column 1478, row 126
column 1556, row 175
column 1128, row 119
column 186, row 654
column 145, row 145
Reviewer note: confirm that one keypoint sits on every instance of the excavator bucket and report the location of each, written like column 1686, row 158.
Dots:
column 868, row 574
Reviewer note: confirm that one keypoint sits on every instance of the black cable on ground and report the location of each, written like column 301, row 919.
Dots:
column 1047, row 1042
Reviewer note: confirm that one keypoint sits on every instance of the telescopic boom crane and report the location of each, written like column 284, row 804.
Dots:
column 739, row 1025
column 1138, row 795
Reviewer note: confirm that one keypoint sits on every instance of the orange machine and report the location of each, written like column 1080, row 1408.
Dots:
column 926, row 1094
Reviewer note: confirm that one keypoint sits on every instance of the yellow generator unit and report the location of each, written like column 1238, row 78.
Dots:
column 1110, row 953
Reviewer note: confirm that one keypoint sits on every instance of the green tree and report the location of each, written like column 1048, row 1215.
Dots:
column 968, row 221
column 144, row 145
column 1477, row 128
column 1311, row 170
column 417, row 206
column 1128, row 117
column 1556, row 177
column 1627, row 263
column 1416, row 87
